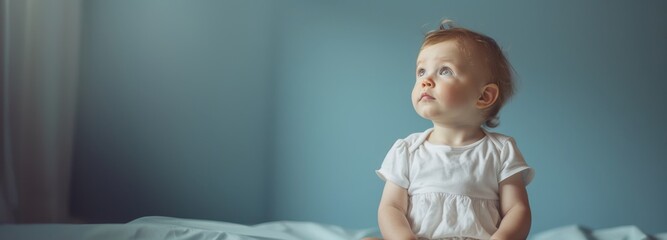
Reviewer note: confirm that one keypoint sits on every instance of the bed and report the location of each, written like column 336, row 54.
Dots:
column 156, row 227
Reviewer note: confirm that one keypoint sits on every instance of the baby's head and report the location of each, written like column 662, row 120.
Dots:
column 462, row 76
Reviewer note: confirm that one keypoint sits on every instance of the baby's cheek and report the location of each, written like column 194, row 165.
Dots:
column 455, row 97
column 416, row 93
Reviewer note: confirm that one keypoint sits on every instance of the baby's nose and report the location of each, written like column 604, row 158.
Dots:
column 427, row 83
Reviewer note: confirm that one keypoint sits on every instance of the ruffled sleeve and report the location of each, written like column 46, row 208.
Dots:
column 512, row 162
column 395, row 167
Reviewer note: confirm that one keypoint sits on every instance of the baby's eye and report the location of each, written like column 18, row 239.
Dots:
column 446, row 71
column 420, row 72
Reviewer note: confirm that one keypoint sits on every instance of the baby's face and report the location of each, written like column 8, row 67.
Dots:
column 448, row 83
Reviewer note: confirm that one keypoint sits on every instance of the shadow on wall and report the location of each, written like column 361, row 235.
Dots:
column 174, row 111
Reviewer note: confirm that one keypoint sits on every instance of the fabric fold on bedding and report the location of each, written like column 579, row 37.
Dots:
column 170, row 228
column 576, row 232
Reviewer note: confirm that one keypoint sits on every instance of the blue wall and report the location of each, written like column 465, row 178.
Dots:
column 174, row 110
column 166, row 125
column 587, row 116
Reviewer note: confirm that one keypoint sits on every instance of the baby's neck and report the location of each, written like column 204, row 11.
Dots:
column 455, row 136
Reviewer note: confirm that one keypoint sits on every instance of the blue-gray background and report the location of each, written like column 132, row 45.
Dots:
column 254, row 111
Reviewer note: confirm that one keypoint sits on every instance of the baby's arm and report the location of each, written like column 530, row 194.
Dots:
column 515, row 223
column 392, row 213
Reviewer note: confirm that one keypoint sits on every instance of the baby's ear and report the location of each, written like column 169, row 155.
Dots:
column 489, row 96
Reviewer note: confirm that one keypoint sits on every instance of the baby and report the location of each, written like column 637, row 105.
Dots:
column 457, row 180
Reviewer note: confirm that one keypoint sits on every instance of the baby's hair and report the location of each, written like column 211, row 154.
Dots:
column 501, row 71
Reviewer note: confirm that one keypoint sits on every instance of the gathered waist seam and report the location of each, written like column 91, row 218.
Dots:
column 452, row 194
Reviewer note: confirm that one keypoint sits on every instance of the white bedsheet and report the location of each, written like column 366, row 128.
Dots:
column 191, row 229
column 183, row 229
column 575, row 232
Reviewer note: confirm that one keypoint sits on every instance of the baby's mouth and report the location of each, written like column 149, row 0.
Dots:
column 426, row 96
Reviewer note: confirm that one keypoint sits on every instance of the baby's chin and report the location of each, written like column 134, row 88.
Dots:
column 436, row 114
column 428, row 113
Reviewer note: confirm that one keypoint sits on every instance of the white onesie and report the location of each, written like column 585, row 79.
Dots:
column 453, row 191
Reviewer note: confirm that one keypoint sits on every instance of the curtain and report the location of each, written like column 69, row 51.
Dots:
column 40, row 67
